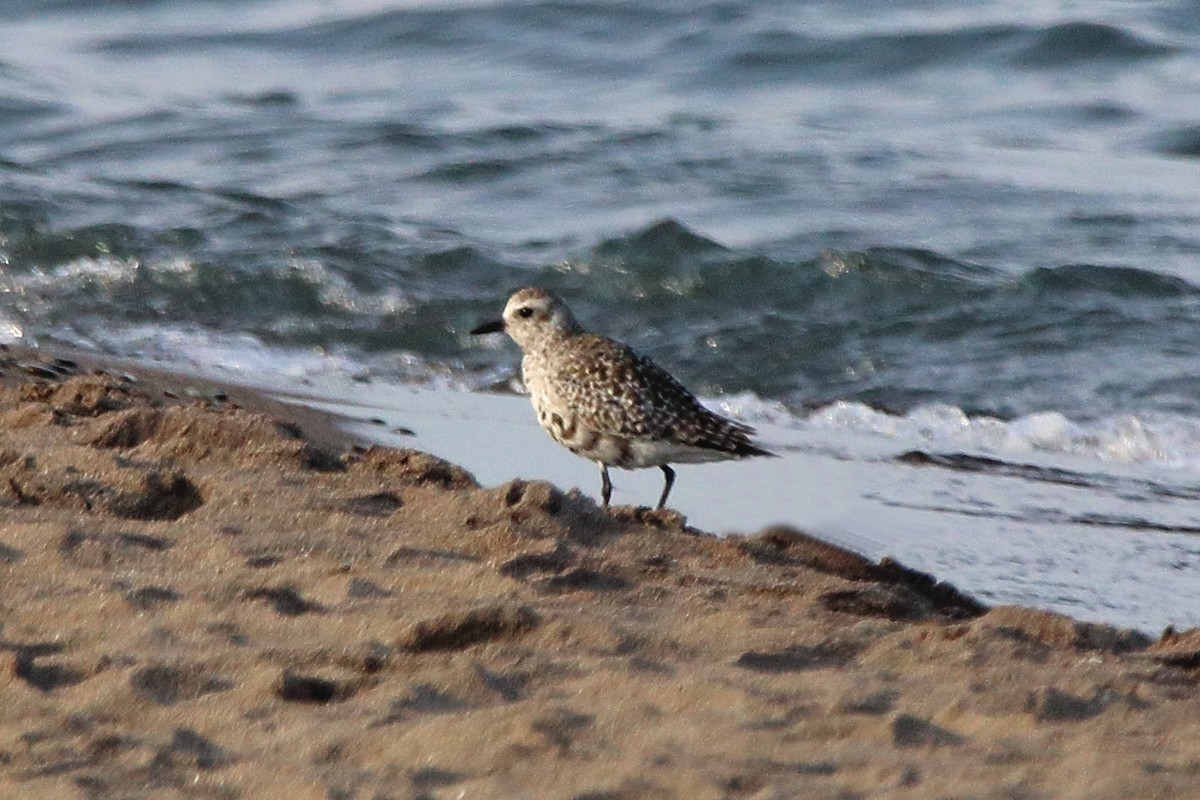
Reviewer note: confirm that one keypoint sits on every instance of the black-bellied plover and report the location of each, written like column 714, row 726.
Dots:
column 601, row 400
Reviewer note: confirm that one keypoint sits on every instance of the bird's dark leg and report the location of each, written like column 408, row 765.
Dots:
column 669, row 475
column 605, row 485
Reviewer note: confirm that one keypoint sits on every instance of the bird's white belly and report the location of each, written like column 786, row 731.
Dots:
column 654, row 453
column 618, row 451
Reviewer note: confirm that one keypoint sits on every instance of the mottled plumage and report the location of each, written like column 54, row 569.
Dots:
column 605, row 402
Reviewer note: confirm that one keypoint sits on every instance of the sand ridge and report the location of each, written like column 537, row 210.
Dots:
column 201, row 598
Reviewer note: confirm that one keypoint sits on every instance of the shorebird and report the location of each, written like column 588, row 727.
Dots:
column 603, row 401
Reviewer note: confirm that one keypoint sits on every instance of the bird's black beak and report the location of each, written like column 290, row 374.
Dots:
column 495, row 326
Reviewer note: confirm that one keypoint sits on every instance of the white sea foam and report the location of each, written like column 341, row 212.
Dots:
column 245, row 357
column 1168, row 440
column 11, row 330
column 1163, row 439
column 103, row 270
column 337, row 292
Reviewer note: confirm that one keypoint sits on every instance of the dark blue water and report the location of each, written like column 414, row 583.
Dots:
column 995, row 207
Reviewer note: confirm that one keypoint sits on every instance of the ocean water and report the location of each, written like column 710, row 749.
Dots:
column 973, row 223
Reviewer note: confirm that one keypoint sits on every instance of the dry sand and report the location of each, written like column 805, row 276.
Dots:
column 201, row 599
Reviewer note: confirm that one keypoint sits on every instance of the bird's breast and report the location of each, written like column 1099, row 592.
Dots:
column 565, row 427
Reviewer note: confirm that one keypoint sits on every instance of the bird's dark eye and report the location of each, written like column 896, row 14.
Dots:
column 525, row 312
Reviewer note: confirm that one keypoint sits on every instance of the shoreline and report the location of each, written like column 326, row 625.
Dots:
column 1028, row 531
column 197, row 601
column 1023, row 532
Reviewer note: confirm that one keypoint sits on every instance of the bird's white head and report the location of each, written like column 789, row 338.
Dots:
column 531, row 316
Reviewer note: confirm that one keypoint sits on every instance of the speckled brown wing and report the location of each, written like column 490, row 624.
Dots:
column 615, row 390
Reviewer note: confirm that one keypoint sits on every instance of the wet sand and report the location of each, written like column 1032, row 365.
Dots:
column 204, row 593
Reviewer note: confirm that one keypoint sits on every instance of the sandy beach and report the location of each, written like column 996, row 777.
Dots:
column 205, row 593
